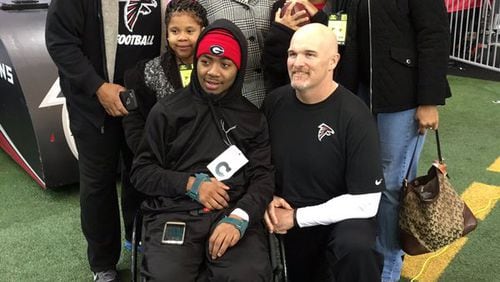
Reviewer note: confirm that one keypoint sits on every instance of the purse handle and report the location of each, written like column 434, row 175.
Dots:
column 440, row 158
column 438, row 147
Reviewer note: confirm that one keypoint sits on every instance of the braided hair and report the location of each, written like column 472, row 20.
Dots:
column 193, row 8
column 187, row 6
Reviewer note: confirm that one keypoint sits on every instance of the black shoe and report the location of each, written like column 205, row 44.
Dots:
column 106, row 276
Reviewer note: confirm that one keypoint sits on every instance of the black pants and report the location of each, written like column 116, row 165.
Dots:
column 248, row 260
column 344, row 251
column 98, row 159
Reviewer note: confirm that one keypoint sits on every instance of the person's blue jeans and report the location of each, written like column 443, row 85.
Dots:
column 398, row 134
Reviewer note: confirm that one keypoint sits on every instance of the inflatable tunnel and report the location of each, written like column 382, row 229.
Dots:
column 34, row 127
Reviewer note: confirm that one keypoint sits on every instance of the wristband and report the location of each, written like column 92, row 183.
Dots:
column 193, row 192
column 240, row 224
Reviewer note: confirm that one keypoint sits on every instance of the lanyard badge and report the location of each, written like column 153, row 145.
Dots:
column 185, row 72
column 338, row 23
column 227, row 163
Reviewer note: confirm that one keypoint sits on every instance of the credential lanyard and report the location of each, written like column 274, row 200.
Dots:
column 185, row 72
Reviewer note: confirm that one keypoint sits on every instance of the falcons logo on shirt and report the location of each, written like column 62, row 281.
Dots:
column 134, row 8
column 324, row 130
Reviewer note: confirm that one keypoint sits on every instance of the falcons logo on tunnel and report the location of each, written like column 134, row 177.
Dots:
column 324, row 130
column 134, row 8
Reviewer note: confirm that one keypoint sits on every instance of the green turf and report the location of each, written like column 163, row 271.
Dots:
column 469, row 132
column 40, row 231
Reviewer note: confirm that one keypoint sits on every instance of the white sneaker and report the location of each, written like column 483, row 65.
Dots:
column 106, row 276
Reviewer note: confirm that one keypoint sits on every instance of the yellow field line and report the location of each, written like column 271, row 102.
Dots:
column 481, row 199
column 495, row 166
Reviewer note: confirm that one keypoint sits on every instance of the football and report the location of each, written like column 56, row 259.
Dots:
column 298, row 7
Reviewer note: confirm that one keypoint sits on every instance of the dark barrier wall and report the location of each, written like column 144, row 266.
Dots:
column 34, row 128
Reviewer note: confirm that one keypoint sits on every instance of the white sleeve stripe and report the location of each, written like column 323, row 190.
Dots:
column 340, row 208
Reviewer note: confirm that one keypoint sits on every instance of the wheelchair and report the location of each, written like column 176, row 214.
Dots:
column 276, row 253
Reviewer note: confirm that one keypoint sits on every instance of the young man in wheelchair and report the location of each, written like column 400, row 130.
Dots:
column 204, row 163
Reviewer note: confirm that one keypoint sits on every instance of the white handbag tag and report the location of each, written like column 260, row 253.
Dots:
column 227, row 163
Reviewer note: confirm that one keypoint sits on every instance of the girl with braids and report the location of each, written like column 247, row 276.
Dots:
column 158, row 78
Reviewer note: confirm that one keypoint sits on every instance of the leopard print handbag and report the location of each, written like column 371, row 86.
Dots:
column 432, row 215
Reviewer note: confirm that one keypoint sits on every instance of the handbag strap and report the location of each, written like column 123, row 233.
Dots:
column 440, row 158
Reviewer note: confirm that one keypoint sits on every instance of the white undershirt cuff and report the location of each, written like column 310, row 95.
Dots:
column 241, row 213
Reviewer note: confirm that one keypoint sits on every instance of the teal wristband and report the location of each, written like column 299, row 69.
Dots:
column 240, row 224
column 193, row 192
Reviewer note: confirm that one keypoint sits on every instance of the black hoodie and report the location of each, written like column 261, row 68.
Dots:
column 183, row 134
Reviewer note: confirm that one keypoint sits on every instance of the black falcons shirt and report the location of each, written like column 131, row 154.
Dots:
column 139, row 34
column 322, row 150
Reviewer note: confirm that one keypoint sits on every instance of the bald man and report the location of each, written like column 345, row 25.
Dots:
column 328, row 171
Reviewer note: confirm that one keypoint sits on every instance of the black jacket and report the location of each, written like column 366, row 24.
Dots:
column 409, row 47
column 165, row 78
column 74, row 39
column 183, row 134
column 83, row 49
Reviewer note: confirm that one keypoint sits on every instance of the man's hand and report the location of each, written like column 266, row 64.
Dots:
column 428, row 118
column 271, row 217
column 213, row 195
column 311, row 9
column 292, row 21
column 224, row 236
column 285, row 220
column 109, row 97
